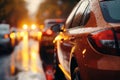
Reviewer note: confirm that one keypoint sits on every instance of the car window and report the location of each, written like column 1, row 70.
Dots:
column 111, row 10
column 79, row 15
column 70, row 17
column 50, row 22
column 86, row 16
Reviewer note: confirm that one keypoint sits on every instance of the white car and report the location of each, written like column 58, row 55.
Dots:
column 5, row 43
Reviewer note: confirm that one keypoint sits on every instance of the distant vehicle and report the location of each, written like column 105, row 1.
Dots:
column 46, row 44
column 88, row 45
column 5, row 42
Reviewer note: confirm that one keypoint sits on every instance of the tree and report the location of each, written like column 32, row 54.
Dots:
column 13, row 11
column 54, row 9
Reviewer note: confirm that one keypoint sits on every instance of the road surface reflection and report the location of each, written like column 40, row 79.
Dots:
column 26, row 60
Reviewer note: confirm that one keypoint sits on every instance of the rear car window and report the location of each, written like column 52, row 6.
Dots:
column 48, row 23
column 111, row 10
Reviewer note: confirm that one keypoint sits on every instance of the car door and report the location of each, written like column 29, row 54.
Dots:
column 66, row 41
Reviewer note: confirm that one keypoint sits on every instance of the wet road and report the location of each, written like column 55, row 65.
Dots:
column 4, row 67
column 25, row 62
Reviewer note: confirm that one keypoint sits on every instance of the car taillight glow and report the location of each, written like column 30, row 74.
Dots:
column 6, row 36
column 49, row 32
column 106, row 41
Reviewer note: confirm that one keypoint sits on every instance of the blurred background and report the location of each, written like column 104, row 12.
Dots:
column 22, row 30
column 19, row 12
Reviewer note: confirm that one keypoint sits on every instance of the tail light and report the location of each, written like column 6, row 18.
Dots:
column 49, row 32
column 106, row 41
column 6, row 36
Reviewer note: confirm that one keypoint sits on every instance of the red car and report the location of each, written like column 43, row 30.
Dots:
column 88, row 45
column 46, row 43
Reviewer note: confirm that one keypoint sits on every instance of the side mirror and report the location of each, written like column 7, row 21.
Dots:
column 56, row 28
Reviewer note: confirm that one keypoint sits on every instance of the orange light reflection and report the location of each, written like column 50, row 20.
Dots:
column 25, row 56
column 12, row 36
column 39, row 35
column 34, row 56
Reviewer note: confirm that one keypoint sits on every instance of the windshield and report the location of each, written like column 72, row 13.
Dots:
column 111, row 10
